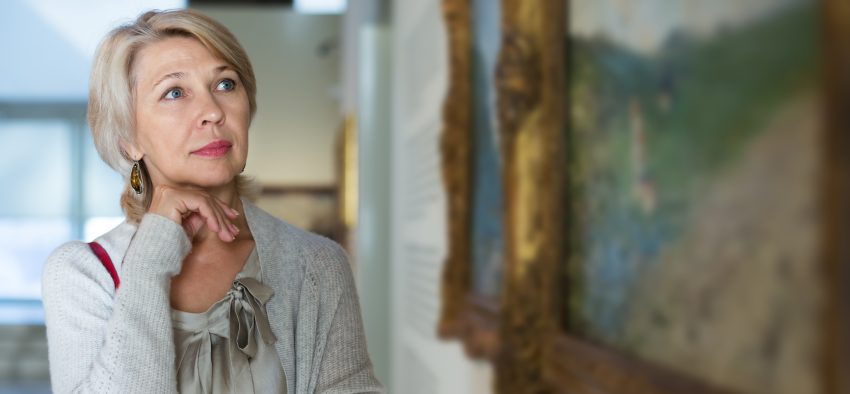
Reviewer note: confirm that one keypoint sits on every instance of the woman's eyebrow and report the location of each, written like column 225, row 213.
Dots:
column 222, row 68
column 175, row 75
column 181, row 74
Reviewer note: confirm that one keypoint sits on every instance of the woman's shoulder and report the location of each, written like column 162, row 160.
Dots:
column 270, row 228
column 74, row 262
column 317, row 254
column 70, row 266
column 69, row 253
column 324, row 260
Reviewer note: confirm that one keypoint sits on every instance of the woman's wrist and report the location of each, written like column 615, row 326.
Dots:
column 159, row 246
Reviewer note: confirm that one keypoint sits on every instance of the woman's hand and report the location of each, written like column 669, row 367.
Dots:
column 194, row 209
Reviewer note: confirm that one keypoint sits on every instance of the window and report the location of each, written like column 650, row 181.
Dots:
column 53, row 186
column 55, row 189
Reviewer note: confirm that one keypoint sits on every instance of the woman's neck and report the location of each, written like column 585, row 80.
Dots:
column 229, row 195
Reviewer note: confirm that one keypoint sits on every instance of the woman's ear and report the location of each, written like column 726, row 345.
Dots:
column 130, row 151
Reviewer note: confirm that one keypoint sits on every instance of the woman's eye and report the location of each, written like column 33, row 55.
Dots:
column 226, row 84
column 172, row 94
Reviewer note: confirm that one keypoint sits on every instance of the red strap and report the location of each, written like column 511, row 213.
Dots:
column 106, row 261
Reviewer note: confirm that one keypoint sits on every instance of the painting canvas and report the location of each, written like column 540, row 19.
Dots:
column 487, row 202
column 693, row 146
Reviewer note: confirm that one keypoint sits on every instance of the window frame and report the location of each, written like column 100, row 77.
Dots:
column 74, row 115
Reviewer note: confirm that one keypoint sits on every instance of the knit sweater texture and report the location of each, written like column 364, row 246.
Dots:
column 103, row 340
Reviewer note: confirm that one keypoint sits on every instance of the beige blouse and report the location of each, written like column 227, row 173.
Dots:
column 229, row 348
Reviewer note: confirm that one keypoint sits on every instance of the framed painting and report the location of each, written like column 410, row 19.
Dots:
column 695, row 148
column 698, row 197
column 675, row 186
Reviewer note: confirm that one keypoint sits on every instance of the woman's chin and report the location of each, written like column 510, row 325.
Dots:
column 217, row 183
column 210, row 183
column 213, row 176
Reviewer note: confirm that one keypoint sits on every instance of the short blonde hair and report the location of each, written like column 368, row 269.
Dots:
column 111, row 112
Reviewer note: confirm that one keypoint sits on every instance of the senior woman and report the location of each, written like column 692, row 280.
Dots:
column 198, row 291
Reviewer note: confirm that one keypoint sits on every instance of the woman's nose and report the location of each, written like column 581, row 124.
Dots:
column 210, row 111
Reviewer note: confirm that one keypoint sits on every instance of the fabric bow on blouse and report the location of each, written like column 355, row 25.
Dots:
column 216, row 348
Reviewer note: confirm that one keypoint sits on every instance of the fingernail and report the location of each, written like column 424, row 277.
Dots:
column 235, row 212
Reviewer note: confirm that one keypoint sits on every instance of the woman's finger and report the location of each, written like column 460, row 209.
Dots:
column 215, row 220
column 229, row 212
column 225, row 232
column 193, row 223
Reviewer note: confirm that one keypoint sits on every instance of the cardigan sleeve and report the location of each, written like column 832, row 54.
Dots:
column 345, row 364
column 102, row 340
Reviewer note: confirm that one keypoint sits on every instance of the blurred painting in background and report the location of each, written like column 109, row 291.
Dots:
column 693, row 157
column 311, row 208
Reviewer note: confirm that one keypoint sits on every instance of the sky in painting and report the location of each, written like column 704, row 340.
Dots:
column 644, row 25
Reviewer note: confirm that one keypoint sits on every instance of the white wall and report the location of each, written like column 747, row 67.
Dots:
column 422, row 362
column 366, row 38
column 395, row 76
column 293, row 134
column 48, row 45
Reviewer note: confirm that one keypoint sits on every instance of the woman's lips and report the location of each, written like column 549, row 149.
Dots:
column 214, row 149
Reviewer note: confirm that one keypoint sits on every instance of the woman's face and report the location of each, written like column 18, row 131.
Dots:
column 192, row 115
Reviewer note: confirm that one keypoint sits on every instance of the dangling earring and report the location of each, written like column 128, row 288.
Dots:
column 136, row 181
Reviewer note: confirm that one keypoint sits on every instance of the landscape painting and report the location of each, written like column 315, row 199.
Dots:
column 693, row 161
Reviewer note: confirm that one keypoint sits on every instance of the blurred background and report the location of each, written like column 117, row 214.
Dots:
column 695, row 225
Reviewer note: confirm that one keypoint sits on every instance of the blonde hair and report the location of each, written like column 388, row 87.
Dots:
column 111, row 112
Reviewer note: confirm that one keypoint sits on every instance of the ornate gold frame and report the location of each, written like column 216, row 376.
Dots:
column 531, row 106
column 347, row 180
column 532, row 115
column 472, row 319
column 520, row 333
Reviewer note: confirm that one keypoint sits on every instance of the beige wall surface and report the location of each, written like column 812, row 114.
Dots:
column 296, row 61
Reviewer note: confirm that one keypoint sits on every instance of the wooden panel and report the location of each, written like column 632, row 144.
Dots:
column 836, row 195
column 577, row 366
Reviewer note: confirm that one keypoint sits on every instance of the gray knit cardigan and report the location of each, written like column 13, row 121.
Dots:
column 105, row 341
